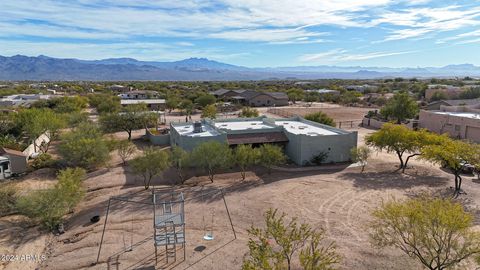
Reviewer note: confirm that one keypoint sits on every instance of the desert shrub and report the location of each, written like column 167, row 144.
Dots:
column 249, row 112
column 271, row 155
column 319, row 158
column 42, row 161
column 321, row 118
column 8, row 197
column 47, row 207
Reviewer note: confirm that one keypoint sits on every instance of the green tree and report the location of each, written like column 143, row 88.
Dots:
column 295, row 94
column 211, row 156
column 172, row 103
column 453, row 155
column 132, row 117
column 245, row 156
column 350, row 97
column 152, row 163
column 69, row 104
column 400, row 107
column 438, row 96
column 105, row 103
column 205, row 100
column 125, row 150
column 84, row 147
column 361, row 155
column 320, row 117
column 50, row 205
column 275, row 246
column 437, row 232
column 180, row 160
column 187, row 106
column 470, row 93
column 210, row 111
column 249, row 112
column 271, row 155
column 401, row 140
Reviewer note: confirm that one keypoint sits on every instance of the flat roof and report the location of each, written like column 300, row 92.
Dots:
column 461, row 114
column 242, row 125
column 146, row 101
column 187, row 130
column 297, row 127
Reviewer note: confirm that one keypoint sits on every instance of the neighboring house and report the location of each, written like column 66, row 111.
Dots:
column 252, row 98
column 139, row 94
column 149, row 98
column 324, row 91
column 18, row 160
column 361, row 88
column 118, row 88
column 453, row 102
column 302, row 139
column 459, row 121
column 22, row 100
column 152, row 104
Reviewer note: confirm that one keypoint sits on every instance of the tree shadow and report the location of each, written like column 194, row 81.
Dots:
column 393, row 180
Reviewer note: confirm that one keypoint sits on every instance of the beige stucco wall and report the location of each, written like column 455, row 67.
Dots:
column 455, row 126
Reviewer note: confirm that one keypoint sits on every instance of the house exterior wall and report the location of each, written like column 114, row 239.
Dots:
column 18, row 164
column 454, row 126
column 266, row 100
column 302, row 148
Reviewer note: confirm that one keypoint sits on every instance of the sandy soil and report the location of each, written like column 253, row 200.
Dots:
column 340, row 201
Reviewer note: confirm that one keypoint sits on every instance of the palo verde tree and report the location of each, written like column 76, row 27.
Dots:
column 50, row 205
column 248, row 112
column 400, row 108
column 320, row 117
column 209, row 111
column 211, row 156
column 179, row 160
column 401, row 140
column 271, row 155
column 205, row 100
column 125, row 149
column 152, row 163
column 275, row 246
column 437, row 232
column 244, row 156
column 452, row 154
column 361, row 154
column 132, row 117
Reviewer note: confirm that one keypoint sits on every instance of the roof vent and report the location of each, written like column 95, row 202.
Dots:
column 197, row 127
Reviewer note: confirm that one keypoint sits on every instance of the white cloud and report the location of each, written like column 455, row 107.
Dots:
column 422, row 21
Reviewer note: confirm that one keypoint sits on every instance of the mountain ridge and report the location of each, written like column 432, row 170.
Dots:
column 21, row 67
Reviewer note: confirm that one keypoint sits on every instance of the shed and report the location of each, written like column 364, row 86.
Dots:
column 18, row 160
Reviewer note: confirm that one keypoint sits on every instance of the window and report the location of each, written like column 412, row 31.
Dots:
column 457, row 127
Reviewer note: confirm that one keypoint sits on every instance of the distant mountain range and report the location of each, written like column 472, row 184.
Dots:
column 43, row 68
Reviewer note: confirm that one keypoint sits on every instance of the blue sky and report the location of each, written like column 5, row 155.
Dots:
column 254, row 33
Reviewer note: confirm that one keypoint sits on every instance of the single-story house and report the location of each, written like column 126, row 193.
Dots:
column 252, row 98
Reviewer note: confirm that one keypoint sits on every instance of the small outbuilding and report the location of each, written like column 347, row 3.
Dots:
column 18, row 160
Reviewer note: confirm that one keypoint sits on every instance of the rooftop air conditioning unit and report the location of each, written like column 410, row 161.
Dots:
column 197, row 127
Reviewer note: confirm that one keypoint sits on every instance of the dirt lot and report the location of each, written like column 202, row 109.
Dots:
column 340, row 201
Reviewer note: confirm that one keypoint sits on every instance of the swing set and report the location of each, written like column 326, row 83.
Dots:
column 168, row 221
